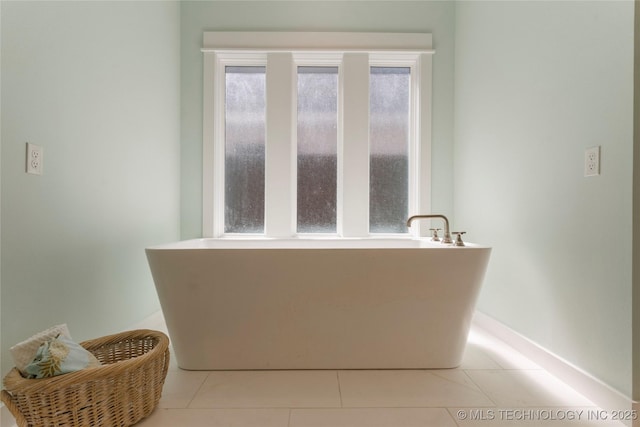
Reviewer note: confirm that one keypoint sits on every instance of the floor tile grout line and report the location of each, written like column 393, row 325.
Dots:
column 487, row 353
column 237, row 408
column 339, row 388
column 480, row 388
column 455, row 421
column 204, row 380
column 292, row 408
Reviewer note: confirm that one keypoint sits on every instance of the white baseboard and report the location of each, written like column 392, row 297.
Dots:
column 592, row 388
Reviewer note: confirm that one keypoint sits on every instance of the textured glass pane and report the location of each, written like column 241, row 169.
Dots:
column 244, row 149
column 317, row 149
column 389, row 136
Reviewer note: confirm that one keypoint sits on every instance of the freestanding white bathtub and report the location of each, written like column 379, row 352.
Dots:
column 317, row 303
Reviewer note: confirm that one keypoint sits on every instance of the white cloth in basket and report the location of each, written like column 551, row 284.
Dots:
column 24, row 352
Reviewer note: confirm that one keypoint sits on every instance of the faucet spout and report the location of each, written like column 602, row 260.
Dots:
column 447, row 234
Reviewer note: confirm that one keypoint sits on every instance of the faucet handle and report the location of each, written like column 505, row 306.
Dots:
column 458, row 234
column 434, row 234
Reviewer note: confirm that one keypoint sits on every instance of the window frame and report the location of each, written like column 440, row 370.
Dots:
column 347, row 51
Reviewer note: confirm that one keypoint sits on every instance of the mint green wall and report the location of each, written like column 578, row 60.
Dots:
column 535, row 84
column 389, row 16
column 97, row 85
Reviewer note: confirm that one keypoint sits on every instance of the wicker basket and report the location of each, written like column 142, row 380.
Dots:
column 120, row 393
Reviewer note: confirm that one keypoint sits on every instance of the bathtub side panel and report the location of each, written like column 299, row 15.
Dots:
column 318, row 309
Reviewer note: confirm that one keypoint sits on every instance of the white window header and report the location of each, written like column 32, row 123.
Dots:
column 220, row 41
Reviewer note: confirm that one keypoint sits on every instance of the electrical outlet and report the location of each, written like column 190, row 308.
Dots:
column 34, row 159
column 592, row 161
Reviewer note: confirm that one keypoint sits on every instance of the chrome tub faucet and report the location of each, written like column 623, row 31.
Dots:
column 447, row 235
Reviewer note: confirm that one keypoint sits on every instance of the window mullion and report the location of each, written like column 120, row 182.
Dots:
column 213, row 146
column 280, row 198
column 423, row 140
column 353, row 158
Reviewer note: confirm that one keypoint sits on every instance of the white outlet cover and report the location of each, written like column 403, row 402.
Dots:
column 592, row 161
column 34, row 159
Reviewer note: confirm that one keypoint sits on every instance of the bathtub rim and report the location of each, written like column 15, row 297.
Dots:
column 309, row 243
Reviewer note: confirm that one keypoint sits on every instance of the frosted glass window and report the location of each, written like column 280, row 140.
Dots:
column 244, row 149
column 317, row 149
column 389, row 149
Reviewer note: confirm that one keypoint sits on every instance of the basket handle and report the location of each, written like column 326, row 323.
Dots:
column 7, row 399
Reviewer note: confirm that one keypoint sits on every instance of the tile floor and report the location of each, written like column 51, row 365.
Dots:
column 494, row 387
